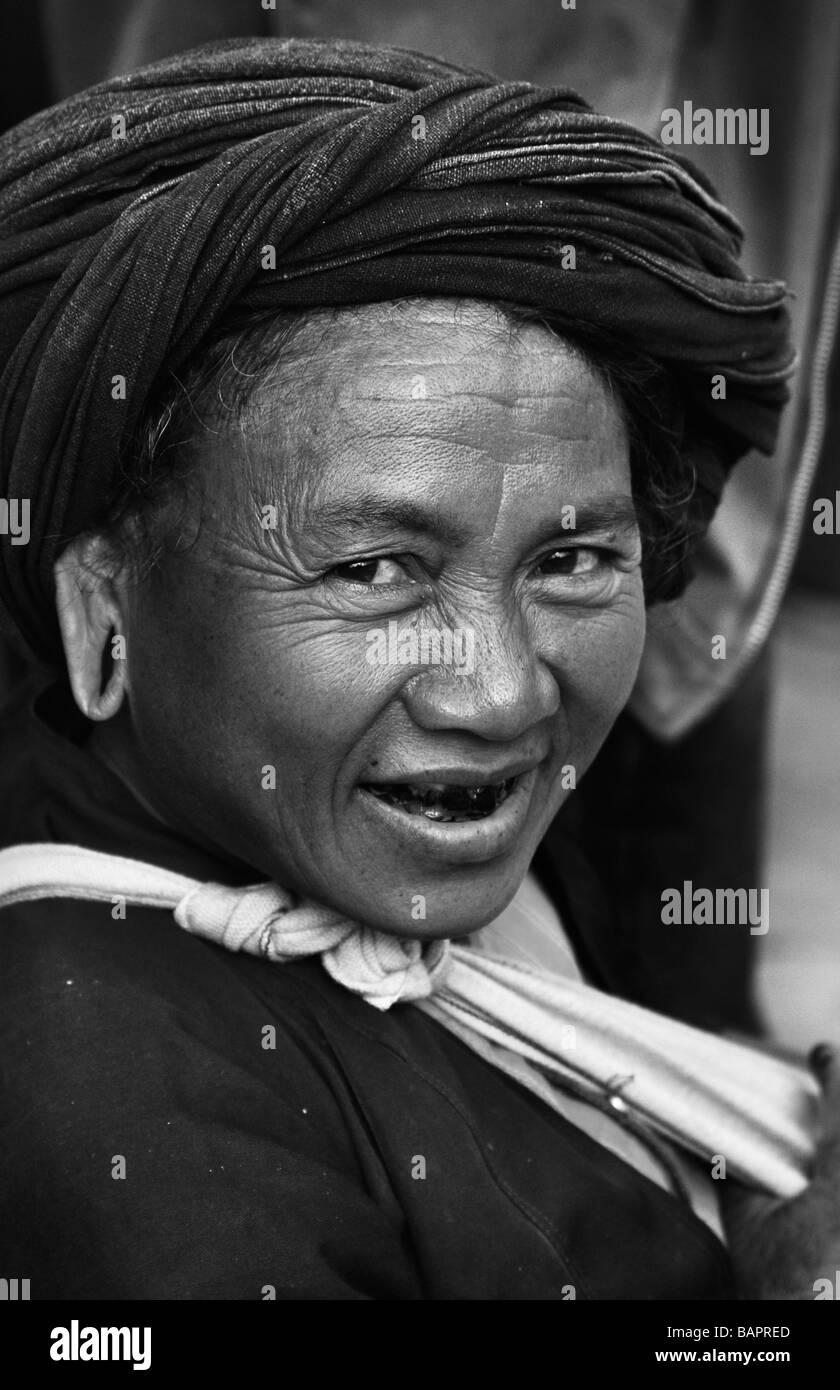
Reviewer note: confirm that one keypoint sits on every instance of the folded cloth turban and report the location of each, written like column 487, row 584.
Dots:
column 135, row 214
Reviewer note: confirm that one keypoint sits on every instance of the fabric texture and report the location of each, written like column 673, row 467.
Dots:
column 135, row 215
column 704, row 1092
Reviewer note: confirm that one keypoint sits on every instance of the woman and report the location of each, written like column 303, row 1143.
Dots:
column 361, row 404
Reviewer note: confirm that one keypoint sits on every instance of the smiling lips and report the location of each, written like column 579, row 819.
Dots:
column 440, row 801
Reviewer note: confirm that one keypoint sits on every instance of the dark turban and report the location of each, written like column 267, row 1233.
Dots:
column 135, row 214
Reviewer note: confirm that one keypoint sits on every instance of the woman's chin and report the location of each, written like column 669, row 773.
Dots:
column 445, row 910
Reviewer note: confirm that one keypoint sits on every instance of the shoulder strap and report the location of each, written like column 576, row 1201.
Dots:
column 35, row 871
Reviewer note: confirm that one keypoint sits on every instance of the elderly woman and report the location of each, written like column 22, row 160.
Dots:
column 356, row 406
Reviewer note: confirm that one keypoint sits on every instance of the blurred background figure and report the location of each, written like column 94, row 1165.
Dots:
column 724, row 772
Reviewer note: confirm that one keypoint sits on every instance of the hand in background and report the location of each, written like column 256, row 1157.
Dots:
column 780, row 1248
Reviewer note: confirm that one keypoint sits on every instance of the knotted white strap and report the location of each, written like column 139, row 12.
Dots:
column 264, row 921
column 715, row 1097
column 261, row 919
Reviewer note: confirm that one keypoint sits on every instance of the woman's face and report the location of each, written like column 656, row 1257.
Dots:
column 418, row 573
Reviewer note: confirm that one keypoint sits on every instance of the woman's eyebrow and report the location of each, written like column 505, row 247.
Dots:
column 615, row 512
column 369, row 511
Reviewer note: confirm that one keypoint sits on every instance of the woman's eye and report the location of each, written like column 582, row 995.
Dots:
column 372, row 573
column 575, row 563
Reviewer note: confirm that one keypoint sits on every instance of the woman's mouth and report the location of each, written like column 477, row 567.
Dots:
column 441, row 801
column 456, row 822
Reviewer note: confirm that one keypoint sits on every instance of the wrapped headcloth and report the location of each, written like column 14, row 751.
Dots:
column 135, row 215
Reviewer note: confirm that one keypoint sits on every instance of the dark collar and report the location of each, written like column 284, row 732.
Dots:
column 56, row 790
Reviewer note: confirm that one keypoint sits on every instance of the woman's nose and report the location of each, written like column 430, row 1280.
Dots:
column 499, row 694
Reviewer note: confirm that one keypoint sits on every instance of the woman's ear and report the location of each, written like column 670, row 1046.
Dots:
column 91, row 615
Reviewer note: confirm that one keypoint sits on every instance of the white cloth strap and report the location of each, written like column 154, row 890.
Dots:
column 714, row 1097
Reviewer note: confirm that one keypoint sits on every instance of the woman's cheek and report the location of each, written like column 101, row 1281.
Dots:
column 615, row 665
column 314, row 685
column 599, row 668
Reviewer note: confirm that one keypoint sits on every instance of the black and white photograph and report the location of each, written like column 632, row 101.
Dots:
column 420, row 666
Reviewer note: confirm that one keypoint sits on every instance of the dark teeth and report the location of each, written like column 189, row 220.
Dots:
column 444, row 803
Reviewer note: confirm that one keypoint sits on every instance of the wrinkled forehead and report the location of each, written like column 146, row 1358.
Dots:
column 396, row 385
column 374, row 352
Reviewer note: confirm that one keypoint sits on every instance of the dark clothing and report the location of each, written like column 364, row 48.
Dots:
column 275, row 1130
column 650, row 814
